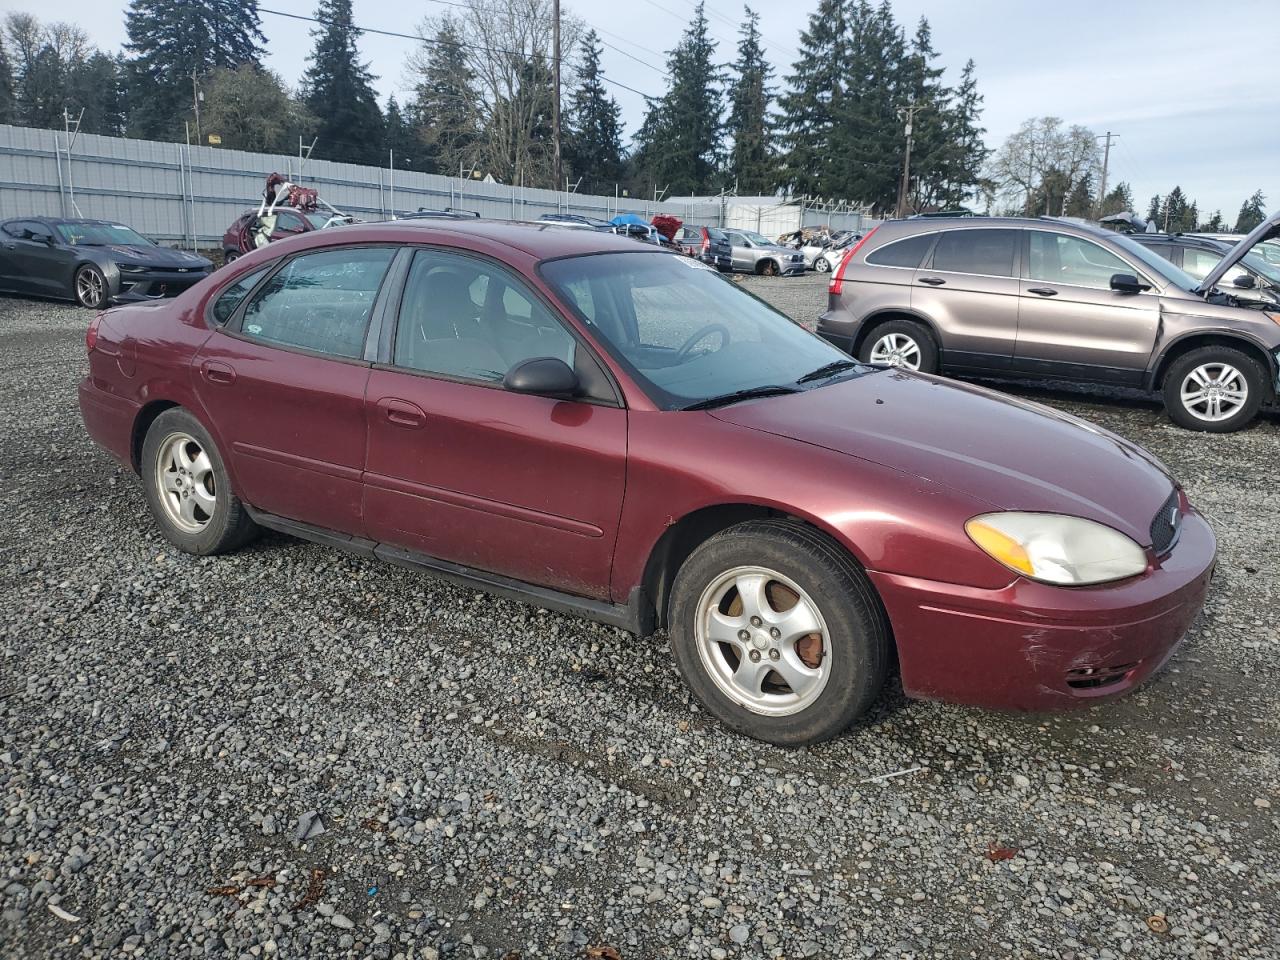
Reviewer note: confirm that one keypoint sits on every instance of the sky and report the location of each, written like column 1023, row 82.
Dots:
column 1192, row 99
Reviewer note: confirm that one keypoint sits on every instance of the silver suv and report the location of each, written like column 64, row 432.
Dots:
column 1007, row 297
column 757, row 254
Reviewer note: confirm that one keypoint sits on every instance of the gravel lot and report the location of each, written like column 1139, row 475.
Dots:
column 496, row 780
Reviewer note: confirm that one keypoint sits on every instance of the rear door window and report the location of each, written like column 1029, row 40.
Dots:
column 1059, row 258
column 902, row 253
column 987, row 252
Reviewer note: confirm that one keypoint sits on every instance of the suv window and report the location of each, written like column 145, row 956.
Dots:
column 987, row 252
column 902, row 253
column 462, row 317
column 320, row 301
column 1058, row 258
column 226, row 304
column 289, row 222
column 1198, row 263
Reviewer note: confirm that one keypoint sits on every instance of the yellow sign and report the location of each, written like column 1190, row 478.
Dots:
column 214, row 140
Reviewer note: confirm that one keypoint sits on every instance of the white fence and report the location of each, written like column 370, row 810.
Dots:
column 189, row 195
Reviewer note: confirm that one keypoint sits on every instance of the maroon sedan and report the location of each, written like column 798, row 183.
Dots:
column 616, row 431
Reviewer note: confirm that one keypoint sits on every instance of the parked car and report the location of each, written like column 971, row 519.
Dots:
column 93, row 262
column 448, row 213
column 830, row 258
column 708, row 244
column 607, row 429
column 1253, row 278
column 575, row 221
column 237, row 241
column 753, row 253
column 1068, row 301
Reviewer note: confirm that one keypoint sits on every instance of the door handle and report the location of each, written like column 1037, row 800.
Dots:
column 402, row 413
column 215, row 371
column 932, row 281
column 1042, row 291
column 11, row 246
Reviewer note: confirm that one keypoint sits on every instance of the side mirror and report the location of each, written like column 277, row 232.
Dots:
column 1127, row 283
column 1244, row 282
column 543, row 377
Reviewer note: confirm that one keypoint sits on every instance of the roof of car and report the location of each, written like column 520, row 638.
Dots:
column 1214, row 243
column 936, row 224
column 543, row 241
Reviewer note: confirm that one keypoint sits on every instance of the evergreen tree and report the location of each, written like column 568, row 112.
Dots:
column 170, row 40
column 1215, row 224
column 968, row 150
column 920, row 84
column 1173, row 211
column 249, row 108
column 399, row 140
column 444, row 110
column 42, row 92
column 593, row 129
column 98, row 86
column 7, row 104
column 1118, row 200
column 1252, row 213
column 1080, row 202
column 678, row 144
column 751, row 160
column 338, row 90
column 1153, row 210
column 812, row 100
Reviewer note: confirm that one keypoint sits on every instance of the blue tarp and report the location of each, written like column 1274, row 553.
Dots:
column 623, row 219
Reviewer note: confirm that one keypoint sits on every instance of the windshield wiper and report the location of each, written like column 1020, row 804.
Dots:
column 750, row 393
column 828, row 370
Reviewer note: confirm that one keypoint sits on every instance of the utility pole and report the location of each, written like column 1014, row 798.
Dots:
column 555, row 119
column 905, row 186
column 1106, row 159
column 195, row 102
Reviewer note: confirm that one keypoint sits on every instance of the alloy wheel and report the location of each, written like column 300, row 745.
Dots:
column 185, row 482
column 896, row 350
column 90, row 287
column 763, row 641
column 1214, row 391
column 822, row 266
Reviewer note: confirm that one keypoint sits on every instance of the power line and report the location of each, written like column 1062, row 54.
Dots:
column 416, row 39
column 724, row 18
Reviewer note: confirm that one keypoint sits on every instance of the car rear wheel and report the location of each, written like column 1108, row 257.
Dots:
column 1214, row 389
column 231, row 256
column 900, row 343
column 778, row 633
column 188, row 490
column 91, row 287
column 822, row 265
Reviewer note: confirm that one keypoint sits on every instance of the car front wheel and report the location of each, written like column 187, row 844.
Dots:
column 1214, row 389
column 187, row 487
column 91, row 287
column 778, row 633
column 900, row 343
column 821, row 265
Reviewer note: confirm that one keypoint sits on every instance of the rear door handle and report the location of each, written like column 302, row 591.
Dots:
column 932, row 281
column 215, row 371
column 402, row 413
column 1042, row 291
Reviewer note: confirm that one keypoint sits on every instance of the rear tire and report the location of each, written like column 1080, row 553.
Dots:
column 901, row 343
column 230, row 256
column 90, row 287
column 769, row 268
column 1214, row 389
column 822, row 265
column 188, row 490
column 821, row 666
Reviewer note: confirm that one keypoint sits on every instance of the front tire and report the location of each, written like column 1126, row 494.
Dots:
column 821, row 265
column 900, row 343
column 769, row 268
column 778, row 633
column 1214, row 389
column 188, row 490
column 90, row 287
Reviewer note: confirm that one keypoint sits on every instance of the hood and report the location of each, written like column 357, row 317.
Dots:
column 157, row 257
column 1010, row 453
column 1268, row 229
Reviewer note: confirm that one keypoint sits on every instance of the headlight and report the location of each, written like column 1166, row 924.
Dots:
column 130, row 268
column 1068, row 551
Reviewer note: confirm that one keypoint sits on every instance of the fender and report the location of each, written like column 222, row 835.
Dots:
column 1226, row 333
column 867, row 322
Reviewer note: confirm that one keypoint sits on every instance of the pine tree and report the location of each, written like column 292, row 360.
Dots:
column 593, row 129
column 920, row 84
column 7, row 106
column 1119, row 200
column 751, row 160
column 444, row 107
column 1173, row 211
column 812, row 100
column 338, row 90
column 1080, row 202
column 249, row 108
column 679, row 141
column 42, row 92
column 98, row 86
column 1153, row 210
column 1215, row 224
column 399, row 140
column 1252, row 213
column 968, row 150
column 169, row 41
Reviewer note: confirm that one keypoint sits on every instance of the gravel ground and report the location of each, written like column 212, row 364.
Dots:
column 494, row 780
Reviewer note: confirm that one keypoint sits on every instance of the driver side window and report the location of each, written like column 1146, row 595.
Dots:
column 468, row 319
column 1058, row 258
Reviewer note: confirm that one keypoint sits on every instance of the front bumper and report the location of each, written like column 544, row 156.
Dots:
column 1032, row 646
column 154, row 284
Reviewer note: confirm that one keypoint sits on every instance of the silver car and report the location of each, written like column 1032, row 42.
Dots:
column 753, row 253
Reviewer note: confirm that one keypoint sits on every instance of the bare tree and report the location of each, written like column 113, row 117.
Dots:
column 507, row 45
column 1042, row 150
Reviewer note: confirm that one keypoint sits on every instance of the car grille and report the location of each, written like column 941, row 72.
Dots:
column 1164, row 526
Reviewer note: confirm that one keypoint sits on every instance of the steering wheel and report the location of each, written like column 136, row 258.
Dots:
column 683, row 353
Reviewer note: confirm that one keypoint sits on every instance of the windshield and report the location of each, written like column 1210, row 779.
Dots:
column 101, row 235
column 317, row 220
column 1156, row 263
column 684, row 332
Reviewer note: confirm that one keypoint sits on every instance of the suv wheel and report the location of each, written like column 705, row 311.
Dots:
column 900, row 343
column 769, row 268
column 188, row 490
column 1215, row 389
column 778, row 633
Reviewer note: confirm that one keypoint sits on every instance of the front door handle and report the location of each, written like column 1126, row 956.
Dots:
column 932, row 281
column 215, row 371
column 1042, row 291
column 402, row 413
